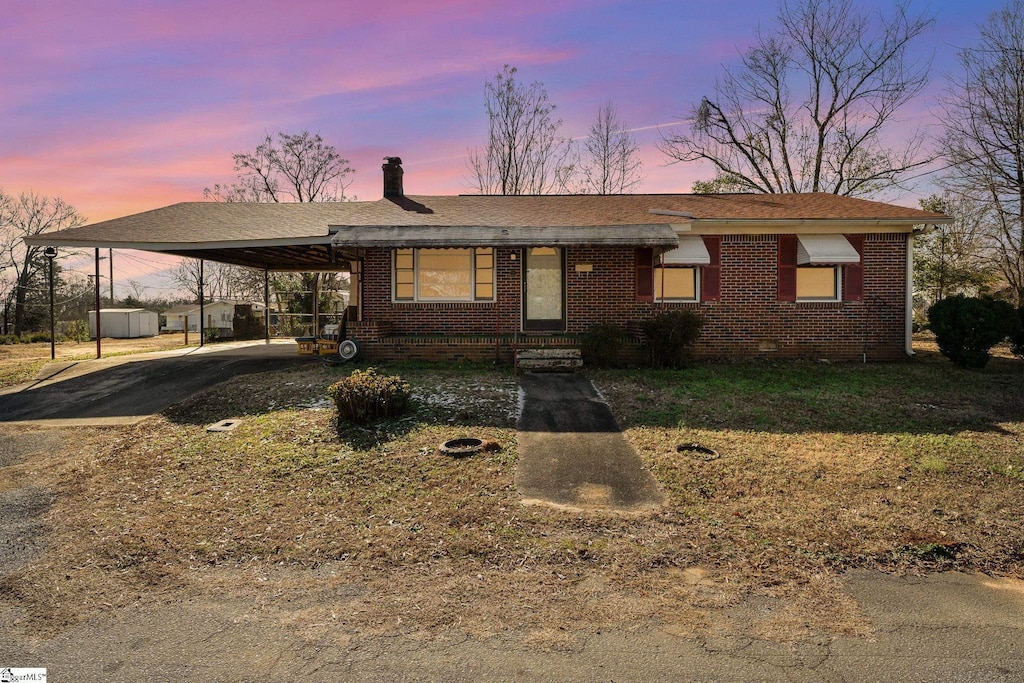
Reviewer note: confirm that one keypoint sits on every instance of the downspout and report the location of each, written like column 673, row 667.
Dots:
column 909, row 306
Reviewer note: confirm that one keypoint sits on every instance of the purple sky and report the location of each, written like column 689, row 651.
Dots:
column 120, row 106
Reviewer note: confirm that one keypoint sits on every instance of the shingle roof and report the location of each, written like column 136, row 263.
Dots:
column 304, row 231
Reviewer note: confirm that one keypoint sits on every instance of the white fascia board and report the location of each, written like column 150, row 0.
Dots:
column 789, row 226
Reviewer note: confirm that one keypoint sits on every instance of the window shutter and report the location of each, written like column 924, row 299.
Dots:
column 645, row 274
column 853, row 273
column 787, row 268
column 711, row 274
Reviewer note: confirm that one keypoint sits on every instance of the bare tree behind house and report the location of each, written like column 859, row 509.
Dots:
column 956, row 258
column 984, row 138
column 287, row 167
column 524, row 153
column 611, row 163
column 809, row 106
column 27, row 215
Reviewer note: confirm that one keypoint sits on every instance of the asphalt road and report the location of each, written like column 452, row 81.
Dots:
column 127, row 389
column 945, row 628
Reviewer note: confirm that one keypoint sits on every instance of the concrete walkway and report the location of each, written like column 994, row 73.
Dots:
column 572, row 452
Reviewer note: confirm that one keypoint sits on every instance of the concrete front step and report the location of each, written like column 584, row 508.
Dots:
column 549, row 359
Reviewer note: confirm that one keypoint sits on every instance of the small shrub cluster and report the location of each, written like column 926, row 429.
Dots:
column 77, row 330
column 670, row 335
column 600, row 345
column 365, row 396
column 966, row 328
column 1017, row 337
column 34, row 338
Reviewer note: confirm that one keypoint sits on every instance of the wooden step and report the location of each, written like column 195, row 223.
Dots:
column 551, row 360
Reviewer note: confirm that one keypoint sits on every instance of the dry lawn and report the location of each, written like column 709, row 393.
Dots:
column 906, row 468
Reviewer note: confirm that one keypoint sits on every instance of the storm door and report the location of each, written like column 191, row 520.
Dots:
column 544, row 289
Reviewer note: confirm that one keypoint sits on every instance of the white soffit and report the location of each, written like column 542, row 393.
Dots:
column 691, row 251
column 824, row 250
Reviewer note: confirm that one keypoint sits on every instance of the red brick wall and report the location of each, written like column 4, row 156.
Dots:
column 747, row 320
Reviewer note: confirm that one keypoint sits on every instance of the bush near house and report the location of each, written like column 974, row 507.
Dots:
column 365, row 396
column 600, row 345
column 670, row 337
column 1017, row 337
column 966, row 328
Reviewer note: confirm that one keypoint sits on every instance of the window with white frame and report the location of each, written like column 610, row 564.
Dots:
column 818, row 283
column 444, row 274
column 675, row 283
column 677, row 275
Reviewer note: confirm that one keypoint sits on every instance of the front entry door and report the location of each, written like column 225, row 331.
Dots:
column 544, row 289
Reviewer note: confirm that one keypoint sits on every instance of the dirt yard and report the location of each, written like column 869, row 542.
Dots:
column 822, row 468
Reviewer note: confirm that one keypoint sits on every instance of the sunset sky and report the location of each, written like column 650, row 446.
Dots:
column 120, row 106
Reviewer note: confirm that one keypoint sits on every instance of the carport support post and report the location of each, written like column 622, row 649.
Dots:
column 202, row 307
column 99, row 352
column 266, row 304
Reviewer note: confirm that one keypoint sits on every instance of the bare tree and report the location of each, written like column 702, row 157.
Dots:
column 23, row 216
column 611, row 164
column 283, row 168
column 291, row 168
column 984, row 139
column 524, row 152
column 807, row 108
column 955, row 258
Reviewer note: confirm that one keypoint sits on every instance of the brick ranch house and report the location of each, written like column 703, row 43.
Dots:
column 476, row 277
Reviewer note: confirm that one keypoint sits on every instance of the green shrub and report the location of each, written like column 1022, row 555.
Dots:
column 670, row 336
column 1017, row 336
column 37, row 337
column 967, row 328
column 8, row 339
column 77, row 330
column 365, row 396
column 600, row 345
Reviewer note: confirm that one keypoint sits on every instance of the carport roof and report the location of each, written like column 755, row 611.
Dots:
column 310, row 236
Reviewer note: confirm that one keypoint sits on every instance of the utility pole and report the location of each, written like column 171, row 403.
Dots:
column 110, row 255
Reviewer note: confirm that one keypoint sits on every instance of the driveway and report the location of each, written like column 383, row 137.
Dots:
column 127, row 389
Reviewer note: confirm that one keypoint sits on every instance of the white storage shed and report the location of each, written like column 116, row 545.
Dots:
column 125, row 323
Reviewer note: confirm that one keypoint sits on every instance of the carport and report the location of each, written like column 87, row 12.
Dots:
column 272, row 237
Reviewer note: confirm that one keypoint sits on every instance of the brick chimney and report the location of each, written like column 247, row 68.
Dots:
column 393, row 177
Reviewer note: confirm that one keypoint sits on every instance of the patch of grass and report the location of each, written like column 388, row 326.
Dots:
column 803, row 396
column 12, row 373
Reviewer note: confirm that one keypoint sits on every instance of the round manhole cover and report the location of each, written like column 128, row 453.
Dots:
column 461, row 447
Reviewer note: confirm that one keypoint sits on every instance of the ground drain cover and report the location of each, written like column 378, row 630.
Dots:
column 224, row 426
column 698, row 451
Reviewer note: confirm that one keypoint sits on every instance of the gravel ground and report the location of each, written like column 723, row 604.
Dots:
column 22, row 533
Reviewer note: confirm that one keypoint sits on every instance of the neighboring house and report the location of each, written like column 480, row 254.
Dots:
column 447, row 277
column 219, row 314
